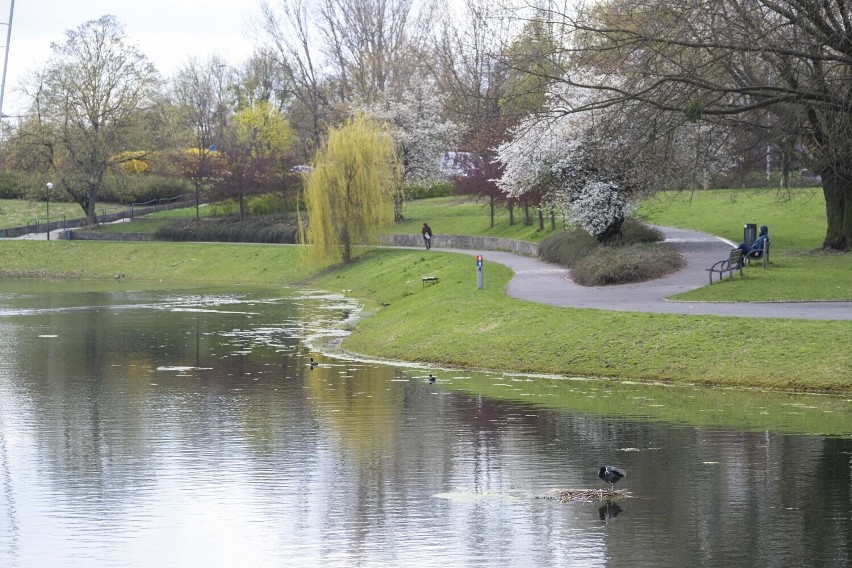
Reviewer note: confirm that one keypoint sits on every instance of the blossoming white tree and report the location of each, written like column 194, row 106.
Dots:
column 422, row 135
column 593, row 160
column 559, row 157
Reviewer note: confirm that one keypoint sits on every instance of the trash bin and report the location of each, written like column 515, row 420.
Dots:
column 749, row 233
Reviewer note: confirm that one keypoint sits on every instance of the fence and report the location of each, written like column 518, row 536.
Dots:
column 135, row 210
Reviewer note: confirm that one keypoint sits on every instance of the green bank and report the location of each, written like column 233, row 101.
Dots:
column 454, row 324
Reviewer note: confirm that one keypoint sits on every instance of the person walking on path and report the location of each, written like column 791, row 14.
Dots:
column 427, row 235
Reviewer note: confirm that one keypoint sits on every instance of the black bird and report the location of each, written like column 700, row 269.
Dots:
column 611, row 474
column 431, row 378
column 313, row 363
column 385, row 304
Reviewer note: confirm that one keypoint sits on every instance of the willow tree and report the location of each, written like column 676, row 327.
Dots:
column 349, row 194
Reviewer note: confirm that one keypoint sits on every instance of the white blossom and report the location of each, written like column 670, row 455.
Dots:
column 554, row 154
column 422, row 134
column 596, row 205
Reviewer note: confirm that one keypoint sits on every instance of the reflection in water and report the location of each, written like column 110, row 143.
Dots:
column 609, row 511
column 157, row 427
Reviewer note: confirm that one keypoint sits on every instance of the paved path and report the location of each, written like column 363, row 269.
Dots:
column 539, row 281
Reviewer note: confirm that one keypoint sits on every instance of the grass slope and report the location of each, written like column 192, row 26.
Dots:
column 453, row 323
column 180, row 262
column 18, row 212
column 798, row 270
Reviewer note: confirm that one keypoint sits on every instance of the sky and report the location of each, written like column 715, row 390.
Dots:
column 169, row 32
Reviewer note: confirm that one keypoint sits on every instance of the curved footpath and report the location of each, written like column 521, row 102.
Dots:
column 539, row 281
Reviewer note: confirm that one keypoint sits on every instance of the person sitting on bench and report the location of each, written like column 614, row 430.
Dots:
column 755, row 250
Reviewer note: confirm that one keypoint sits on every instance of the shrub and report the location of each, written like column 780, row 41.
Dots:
column 139, row 188
column 568, row 247
column 632, row 257
column 625, row 264
column 264, row 204
column 10, row 186
column 266, row 229
column 428, row 190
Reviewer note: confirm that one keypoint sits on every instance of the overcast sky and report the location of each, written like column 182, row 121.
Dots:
column 167, row 31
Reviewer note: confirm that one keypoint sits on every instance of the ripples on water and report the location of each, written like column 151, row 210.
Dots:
column 165, row 428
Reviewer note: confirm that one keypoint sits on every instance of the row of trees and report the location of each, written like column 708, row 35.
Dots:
column 678, row 90
column 584, row 109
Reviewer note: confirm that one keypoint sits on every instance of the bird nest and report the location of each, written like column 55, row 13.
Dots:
column 590, row 495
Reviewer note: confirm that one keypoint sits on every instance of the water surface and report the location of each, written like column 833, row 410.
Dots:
column 183, row 426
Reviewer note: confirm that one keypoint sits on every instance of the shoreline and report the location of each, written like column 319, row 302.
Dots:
column 453, row 324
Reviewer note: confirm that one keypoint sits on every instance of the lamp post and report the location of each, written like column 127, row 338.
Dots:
column 47, row 193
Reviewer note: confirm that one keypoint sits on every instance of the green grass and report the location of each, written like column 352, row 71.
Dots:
column 452, row 323
column 466, row 216
column 798, row 270
column 796, row 219
column 156, row 261
column 18, row 212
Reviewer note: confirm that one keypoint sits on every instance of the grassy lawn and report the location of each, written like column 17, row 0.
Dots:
column 798, row 270
column 454, row 324
column 17, row 212
column 466, row 216
column 796, row 219
column 154, row 261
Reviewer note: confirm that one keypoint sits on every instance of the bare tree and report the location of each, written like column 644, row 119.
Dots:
column 335, row 53
column 782, row 67
column 291, row 39
column 97, row 97
column 204, row 102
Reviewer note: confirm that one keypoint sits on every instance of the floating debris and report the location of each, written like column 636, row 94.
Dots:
column 590, row 495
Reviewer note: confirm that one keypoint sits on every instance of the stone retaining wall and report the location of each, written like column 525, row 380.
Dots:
column 465, row 242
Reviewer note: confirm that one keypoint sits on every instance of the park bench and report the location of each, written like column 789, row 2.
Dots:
column 429, row 280
column 733, row 262
column 762, row 254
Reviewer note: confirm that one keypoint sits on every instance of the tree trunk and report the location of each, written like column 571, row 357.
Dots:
column 91, row 204
column 492, row 210
column 540, row 219
column 284, row 194
column 511, row 215
column 837, row 189
column 612, row 231
column 398, row 199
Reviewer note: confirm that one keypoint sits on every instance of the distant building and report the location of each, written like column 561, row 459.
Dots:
column 459, row 164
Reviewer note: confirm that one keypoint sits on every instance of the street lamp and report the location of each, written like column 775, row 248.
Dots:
column 47, row 193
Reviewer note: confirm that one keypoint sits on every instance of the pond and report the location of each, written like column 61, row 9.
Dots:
column 169, row 426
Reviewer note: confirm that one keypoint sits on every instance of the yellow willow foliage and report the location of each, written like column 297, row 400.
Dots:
column 349, row 194
column 132, row 162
